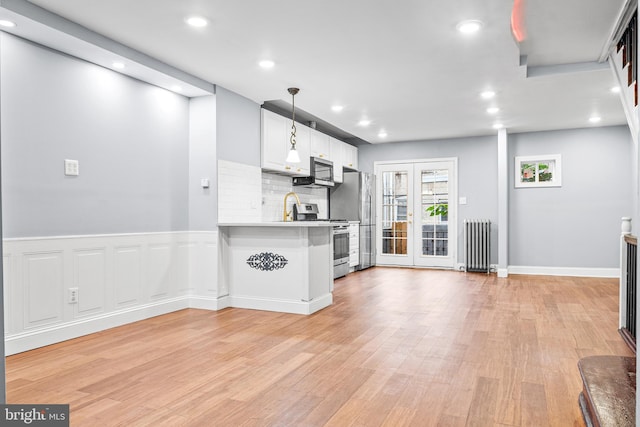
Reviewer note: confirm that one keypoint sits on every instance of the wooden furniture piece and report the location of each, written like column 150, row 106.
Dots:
column 608, row 397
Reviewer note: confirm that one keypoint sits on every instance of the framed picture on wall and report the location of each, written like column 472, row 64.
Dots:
column 538, row 171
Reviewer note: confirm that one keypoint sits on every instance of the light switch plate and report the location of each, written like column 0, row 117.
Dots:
column 462, row 201
column 204, row 182
column 71, row 167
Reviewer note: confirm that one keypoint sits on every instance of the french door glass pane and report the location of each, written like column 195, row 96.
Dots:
column 434, row 210
column 394, row 212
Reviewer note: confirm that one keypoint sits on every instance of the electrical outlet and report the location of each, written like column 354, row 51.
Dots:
column 73, row 296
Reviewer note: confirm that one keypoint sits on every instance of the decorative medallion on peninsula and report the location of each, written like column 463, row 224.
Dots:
column 267, row 261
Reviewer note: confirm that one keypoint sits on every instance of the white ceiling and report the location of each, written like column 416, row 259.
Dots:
column 400, row 63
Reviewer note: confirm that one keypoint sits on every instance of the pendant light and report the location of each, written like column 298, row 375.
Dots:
column 293, row 156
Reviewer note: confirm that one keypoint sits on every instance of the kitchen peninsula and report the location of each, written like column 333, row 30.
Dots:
column 278, row 266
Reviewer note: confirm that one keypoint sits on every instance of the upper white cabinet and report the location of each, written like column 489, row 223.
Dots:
column 336, row 152
column 350, row 156
column 343, row 155
column 320, row 145
column 276, row 132
column 274, row 137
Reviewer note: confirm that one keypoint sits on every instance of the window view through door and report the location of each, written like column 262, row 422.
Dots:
column 435, row 211
column 394, row 212
column 416, row 223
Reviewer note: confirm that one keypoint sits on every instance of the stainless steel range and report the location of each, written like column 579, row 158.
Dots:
column 340, row 248
column 309, row 212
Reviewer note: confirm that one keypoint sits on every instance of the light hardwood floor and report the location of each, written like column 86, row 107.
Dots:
column 397, row 347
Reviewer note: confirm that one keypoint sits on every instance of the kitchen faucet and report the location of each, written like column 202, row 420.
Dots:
column 285, row 214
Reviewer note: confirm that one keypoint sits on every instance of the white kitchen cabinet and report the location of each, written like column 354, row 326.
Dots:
column 256, row 255
column 276, row 132
column 350, row 156
column 274, row 135
column 320, row 145
column 335, row 155
column 354, row 244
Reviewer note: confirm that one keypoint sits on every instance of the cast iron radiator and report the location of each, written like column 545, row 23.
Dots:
column 477, row 247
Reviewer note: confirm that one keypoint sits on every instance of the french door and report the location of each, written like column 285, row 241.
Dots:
column 416, row 223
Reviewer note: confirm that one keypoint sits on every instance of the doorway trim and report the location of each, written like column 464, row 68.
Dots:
column 454, row 239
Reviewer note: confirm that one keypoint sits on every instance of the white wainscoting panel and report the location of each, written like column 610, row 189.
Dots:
column 186, row 257
column 210, row 270
column 43, row 288
column 160, row 269
column 120, row 278
column 203, row 272
column 127, row 282
column 89, row 272
column 7, row 269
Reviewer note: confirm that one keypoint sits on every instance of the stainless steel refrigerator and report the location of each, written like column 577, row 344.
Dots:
column 354, row 200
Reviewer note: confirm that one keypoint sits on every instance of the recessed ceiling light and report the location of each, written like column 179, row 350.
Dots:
column 488, row 94
column 118, row 65
column 364, row 122
column 469, row 27
column 382, row 134
column 492, row 110
column 266, row 64
column 337, row 108
column 197, row 21
column 7, row 24
column 615, row 89
column 497, row 126
column 595, row 119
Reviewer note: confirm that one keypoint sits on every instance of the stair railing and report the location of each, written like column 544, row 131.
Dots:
column 628, row 283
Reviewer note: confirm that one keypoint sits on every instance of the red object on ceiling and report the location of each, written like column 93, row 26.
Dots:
column 518, row 28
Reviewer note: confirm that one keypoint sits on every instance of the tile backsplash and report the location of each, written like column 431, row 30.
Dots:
column 247, row 194
column 239, row 193
column 274, row 188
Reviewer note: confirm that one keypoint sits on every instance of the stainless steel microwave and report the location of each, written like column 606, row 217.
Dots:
column 321, row 174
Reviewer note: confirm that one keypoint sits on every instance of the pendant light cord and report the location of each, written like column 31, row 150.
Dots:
column 292, row 139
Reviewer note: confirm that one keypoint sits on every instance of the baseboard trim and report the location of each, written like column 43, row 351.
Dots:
column 565, row 271
column 41, row 337
column 551, row 271
column 320, row 303
column 209, row 303
column 286, row 306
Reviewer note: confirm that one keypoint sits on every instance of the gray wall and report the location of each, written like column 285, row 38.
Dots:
column 477, row 177
column 130, row 138
column 203, row 206
column 578, row 224
column 238, row 128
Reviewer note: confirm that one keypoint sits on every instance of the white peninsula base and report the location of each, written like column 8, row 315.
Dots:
column 285, row 267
